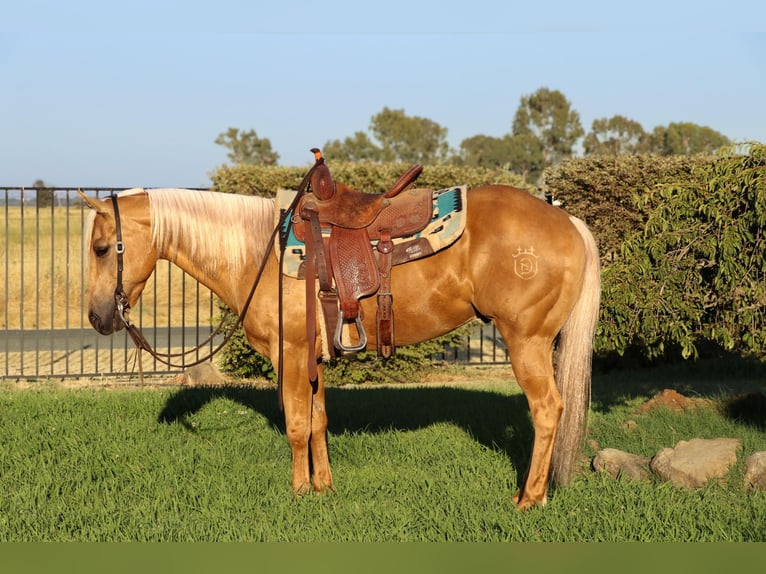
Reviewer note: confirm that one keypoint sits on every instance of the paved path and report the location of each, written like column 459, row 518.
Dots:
column 84, row 353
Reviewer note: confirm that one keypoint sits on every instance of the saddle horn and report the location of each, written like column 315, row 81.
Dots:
column 321, row 180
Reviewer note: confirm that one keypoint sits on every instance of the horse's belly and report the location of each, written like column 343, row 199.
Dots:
column 431, row 297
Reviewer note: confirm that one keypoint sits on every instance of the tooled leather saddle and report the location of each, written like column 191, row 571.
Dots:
column 354, row 259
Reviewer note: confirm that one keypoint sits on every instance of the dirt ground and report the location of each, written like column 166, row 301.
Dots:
column 488, row 377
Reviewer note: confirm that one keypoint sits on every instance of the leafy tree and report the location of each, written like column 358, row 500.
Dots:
column 358, row 147
column 247, row 147
column 685, row 138
column 548, row 116
column 397, row 138
column 617, row 135
column 409, row 139
column 486, row 151
column 521, row 154
column 526, row 156
column 44, row 194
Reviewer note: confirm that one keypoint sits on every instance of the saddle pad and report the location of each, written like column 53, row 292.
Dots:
column 446, row 226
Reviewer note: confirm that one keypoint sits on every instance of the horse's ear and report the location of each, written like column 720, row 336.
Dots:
column 93, row 203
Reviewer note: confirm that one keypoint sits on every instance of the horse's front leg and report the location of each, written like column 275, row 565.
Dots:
column 306, row 426
column 297, row 397
column 320, row 458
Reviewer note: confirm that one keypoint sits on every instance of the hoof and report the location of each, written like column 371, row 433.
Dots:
column 524, row 502
column 301, row 489
column 323, row 487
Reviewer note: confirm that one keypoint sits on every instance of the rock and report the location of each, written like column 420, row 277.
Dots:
column 620, row 464
column 204, row 374
column 693, row 463
column 673, row 401
column 755, row 471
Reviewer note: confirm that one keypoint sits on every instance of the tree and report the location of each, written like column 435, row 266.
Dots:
column 409, row 139
column 486, row 151
column 247, row 147
column 685, row 138
column 358, row 147
column 617, row 135
column 44, row 194
column 527, row 157
column 548, row 116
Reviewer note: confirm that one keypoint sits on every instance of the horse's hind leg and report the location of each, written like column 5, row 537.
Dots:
column 531, row 359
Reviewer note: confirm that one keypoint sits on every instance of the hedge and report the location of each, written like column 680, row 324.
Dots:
column 682, row 243
column 366, row 176
column 239, row 359
column 602, row 191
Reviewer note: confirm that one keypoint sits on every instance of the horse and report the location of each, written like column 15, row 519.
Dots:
column 545, row 304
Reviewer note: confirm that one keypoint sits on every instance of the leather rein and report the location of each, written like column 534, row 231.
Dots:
column 123, row 305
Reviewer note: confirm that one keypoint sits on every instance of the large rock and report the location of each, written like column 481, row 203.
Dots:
column 204, row 374
column 755, row 471
column 693, row 463
column 620, row 464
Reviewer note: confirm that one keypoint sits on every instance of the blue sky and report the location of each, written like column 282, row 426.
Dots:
column 134, row 94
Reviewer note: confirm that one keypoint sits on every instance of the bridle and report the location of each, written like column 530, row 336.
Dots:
column 122, row 302
column 122, row 305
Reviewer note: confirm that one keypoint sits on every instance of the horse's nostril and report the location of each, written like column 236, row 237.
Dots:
column 95, row 320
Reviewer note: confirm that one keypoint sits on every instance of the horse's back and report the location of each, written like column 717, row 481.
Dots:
column 510, row 213
column 517, row 254
column 515, row 223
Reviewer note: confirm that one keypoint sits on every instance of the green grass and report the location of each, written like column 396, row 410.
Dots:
column 410, row 464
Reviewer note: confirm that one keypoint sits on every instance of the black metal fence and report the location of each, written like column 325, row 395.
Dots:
column 44, row 331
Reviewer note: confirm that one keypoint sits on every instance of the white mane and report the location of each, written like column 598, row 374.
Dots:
column 220, row 231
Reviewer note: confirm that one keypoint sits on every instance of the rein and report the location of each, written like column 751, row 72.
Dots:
column 123, row 305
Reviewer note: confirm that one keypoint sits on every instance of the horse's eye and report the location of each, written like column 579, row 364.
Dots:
column 101, row 250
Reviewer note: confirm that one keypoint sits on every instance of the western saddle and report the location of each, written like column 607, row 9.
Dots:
column 348, row 236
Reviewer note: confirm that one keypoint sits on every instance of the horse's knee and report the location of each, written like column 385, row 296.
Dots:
column 298, row 433
column 319, row 417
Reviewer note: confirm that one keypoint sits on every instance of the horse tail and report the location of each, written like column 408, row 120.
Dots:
column 574, row 356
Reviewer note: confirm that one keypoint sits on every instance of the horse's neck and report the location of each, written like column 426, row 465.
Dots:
column 223, row 257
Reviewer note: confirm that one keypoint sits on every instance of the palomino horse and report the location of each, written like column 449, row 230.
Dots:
column 220, row 239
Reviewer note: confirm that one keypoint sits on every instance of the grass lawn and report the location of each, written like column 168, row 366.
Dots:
column 437, row 462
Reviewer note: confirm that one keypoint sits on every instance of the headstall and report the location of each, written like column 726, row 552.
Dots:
column 122, row 302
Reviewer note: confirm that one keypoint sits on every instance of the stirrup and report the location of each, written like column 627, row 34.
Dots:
column 360, row 346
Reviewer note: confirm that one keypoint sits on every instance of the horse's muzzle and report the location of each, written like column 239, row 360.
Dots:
column 105, row 327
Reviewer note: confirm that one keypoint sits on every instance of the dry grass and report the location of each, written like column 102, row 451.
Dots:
column 42, row 282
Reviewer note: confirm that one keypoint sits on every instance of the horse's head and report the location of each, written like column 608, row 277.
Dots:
column 106, row 254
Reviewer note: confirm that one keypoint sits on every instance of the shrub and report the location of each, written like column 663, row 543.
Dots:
column 696, row 272
column 366, row 176
column 241, row 360
column 602, row 191
column 681, row 241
